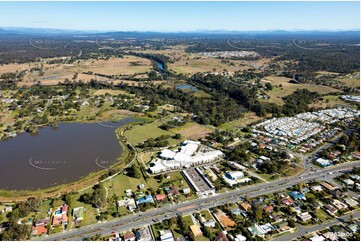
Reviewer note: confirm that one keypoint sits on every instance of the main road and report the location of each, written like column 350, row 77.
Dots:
column 158, row 214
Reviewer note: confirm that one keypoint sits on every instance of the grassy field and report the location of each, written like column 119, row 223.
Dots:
column 287, row 88
column 120, row 183
column 110, row 91
column 248, row 118
column 54, row 73
column 119, row 66
column 140, row 133
column 331, row 101
column 204, row 64
column 352, row 80
column 192, row 130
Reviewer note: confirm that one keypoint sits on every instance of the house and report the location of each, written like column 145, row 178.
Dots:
column 143, row 234
column 287, row 202
column 304, row 217
column 350, row 202
column 78, row 213
column 317, row 238
column 221, row 237
column 297, row 195
column 60, row 215
column 128, row 203
column 39, row 230
column 330, row 236
column 282, row 227
column 277, row 217
column 327, row 186
column 145, row 199
column 196, row 230
column 268, row 209
column 42, row 222
column 324, row 162
column 348, row 182
column 129, row 192
column 129, row 236
column 317, row 188
column 171, row 191
column 160, row 197
column 353, row 227
column 234, row 175
column 330, row 209
column 166, row 235
column 209, row 223
column 64, row 209
column 236, row 211
column 267, row 228
column 240, row 237
column 337, row 193
column 256, row 230
column 339, row 205
column 224, row 219
column 296, row 209
column 316, row 205
column 186, row 190
column 246, row 206
column 256, row 202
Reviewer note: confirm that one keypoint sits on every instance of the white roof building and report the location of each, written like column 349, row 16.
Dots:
column 186, row 156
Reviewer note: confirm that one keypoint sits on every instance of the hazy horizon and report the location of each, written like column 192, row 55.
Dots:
column 182, row 16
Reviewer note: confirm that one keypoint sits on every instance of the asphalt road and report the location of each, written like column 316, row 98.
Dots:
column 162, row 213
column 303, row 230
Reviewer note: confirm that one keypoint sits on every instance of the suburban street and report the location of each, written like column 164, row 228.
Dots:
column 159, row 214
column 303, row 230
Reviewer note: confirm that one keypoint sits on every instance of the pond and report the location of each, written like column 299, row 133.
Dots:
column 58, row 155
column 187, row 87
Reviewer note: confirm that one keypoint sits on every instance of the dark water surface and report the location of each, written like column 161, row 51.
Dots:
column 56, row 156
column 187, row 86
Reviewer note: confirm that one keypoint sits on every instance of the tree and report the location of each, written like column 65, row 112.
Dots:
column 177, row 136
column 137, row 173
column 258, row 214
column 344, row 139
column 269, row 86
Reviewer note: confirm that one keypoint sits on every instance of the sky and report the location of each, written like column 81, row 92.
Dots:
column 182, row 16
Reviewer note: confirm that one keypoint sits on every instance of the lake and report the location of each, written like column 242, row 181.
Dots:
column 56, row 156
column 187, row 86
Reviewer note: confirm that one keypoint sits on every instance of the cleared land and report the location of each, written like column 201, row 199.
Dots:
column 288, row 88
column 53, row 73
column 248, row 118
column 350, row 80
column 192, row 131
column 331, row 101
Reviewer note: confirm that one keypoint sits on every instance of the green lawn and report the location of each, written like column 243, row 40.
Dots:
column 188, row 220
column 89, row 212
column 201, row 238
column 122, row 182
column 140, row 133
column 42, row 210
column 206, row 214
column 322, row 215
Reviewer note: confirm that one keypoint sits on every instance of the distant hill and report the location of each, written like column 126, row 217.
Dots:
column 309, row 34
